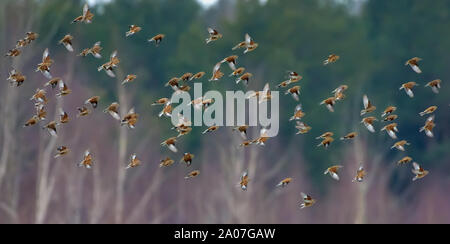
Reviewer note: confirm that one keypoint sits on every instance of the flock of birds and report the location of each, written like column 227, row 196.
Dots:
column 184, row 126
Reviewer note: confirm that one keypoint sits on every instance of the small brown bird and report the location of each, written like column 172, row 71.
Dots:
column 133, row 29
column 167, row 162
column 67, row 42
column 61, row 151
column 93, row 101
column 349, row 136
column 242, row 131
column 405, row 160
column 329, row 103
column 389, row 110
column 87, row 161
column 31, row 36
column 214, row 35
column 163, row 101
column 86, row 17
column 166, row 111
column 414, row 64
column 238, row 72
column 183, row 130
column 434, row 85
column 325, row 135
column 390, row 118
column 193, row 174
column 94, row 50
column 232, row 61
column 331, row 59
column 246, row 144
column 40, row 112
column 21, row 43
column 308, row 201
column 217, row 74
column 134, row 162
column 113, row 110
column 295, row 92
column 391, row 129
column 360, row 174
column 174, row 83
column 157, row 39
column 33, row 121
column 428, row 127
column 186, row 77
column 429, row 111
column 262, row 139
column 128, row 79
column 44, row 67
column 368, row 106
column 83, row 111
column 16, row 78
column 198, row 76
column 53, row 83
column 340, row 89
column 13, row 53
column 298, row 113
column 63, row 117
column 211, row 129
column 130, row 119
column 401, row 145
column 63, row 90
column 170, row 143
column 408, row 88
column 368, row 122
column 187, row 159
column 419, row 172
column 302, row 128
column 284, row 182
column 333, row 171
column 326, row 142
column 109, row 66
column 244, row 181
column 39, row 97
column 250, row 44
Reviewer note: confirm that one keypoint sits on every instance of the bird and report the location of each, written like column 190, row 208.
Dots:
column 183, row 130
column 408, row 88
column 67, row 42
column 360, row 174
column 246, row 143
column 419, row 172
column 41, row 113
column 428, row 127
column 389, row 110
column 31, row 36
column 93, row 101
column 368, row 122
column 87, row 161
column 302, row 128
column 186, row 77
column 198, row 76
column 244, row 181
column 340, row 89
column 130, row 119
column 53, row 83
column 368, row 106
column 134, row 162
column 170, row 143
column 133, row 29
column 262, row 139
column 63, row 117
column 128, row 79
column 86, row 17
column 16, row 78
column 262, row 96
column 428, row 111
column 349, row 136
column 325, row 135
column 187, row 159
column 414, row 64
column 63, row 89
column 405, row 160
column 238, row 72
column 245, row 78
column 284, row 182
column 51, row 128
column 110, row 65
column 13, row 53
column 390, row 118
column 214, row 35
column 250, row 44
column 162, row 101
column 435, row 85
column 157, row 39
column 326, row 142
column 400, row 145
column 33, row 121
column 332, row 58
column 21, row 43
column 83, row 111
column 166, row 111
column 174, row 83
column 94, row 50
column 113, row 110
column 242, row 131
column 329, row 103
column 298, row 113
column 308, row 201
column 166, row 162
column 44, row 66
column 391, row 129
column 192, row 174
column 217, row 74
column 39, row 97
column 333, row 171
column 231, row 61
column 211, row 129
column 61, row 151
column 295, row 92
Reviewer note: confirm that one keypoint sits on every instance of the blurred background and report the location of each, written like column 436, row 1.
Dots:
column 374, row 39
